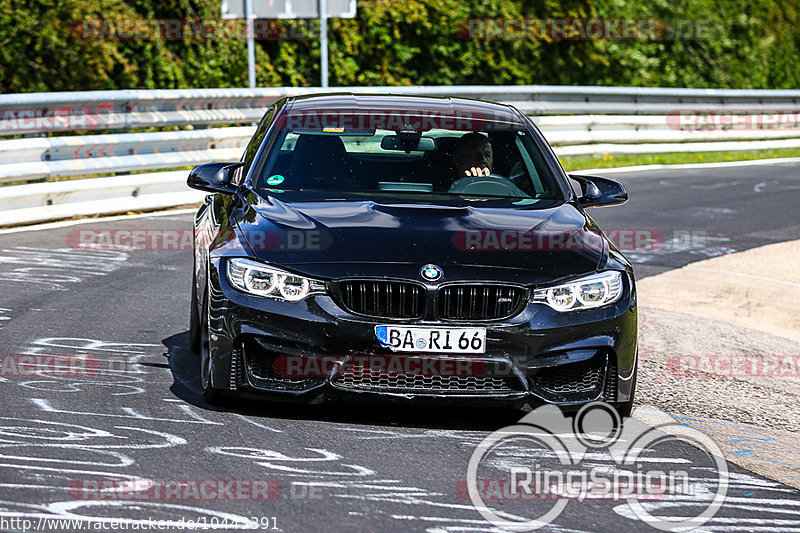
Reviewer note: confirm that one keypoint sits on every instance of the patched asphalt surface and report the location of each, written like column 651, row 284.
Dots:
column 340, row 467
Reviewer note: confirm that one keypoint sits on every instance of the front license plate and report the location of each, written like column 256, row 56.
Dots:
column 432, row 340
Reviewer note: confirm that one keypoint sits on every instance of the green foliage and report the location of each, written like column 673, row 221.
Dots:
column 404, row 42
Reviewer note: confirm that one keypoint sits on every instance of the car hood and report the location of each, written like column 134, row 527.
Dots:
column 356, row 236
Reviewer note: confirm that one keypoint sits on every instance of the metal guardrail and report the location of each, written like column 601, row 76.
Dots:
column 576, row 120
column 47, row 157
column 47, row 112
column 40, row 202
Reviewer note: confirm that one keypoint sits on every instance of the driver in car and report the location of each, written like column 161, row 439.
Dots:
column 473, row 155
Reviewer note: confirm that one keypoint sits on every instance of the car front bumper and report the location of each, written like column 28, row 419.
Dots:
column 537, row 356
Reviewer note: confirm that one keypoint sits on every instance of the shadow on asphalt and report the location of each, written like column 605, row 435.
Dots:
column 185, row 368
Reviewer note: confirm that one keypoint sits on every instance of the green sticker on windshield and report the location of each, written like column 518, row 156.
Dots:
column 275, row 179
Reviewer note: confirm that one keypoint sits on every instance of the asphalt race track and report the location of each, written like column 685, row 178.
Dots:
column 139, row 416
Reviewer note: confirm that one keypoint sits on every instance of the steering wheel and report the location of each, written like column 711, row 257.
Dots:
column 491, row 185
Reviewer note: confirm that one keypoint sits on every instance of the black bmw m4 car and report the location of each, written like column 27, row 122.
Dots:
column 408, row 247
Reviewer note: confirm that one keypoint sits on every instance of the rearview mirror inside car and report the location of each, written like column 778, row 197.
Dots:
column 408, row 144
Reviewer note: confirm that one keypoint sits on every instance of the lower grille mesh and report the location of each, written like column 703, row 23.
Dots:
column 261, row 370
column 571, row 378
column 579, row 381
column 359, row 377
column 610, row 388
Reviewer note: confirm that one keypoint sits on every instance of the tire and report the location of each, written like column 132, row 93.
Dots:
column 212, row 396
column 194, row 320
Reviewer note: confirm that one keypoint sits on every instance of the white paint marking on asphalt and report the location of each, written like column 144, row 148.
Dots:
column 470, row 438
column 61, row 471
column 258, row 454
column 101, row 220
column 170, row 440
column 371, row 486
column 79, row 343
column 75, row 439
column 712, row 212
column 686, row 242
column 759, row 187
column 412, row 499
column 224, row 520
column 30, row 449
column 761, row 506
column 53, row 385
column 749, row 528
column 116, row 370
column 45, row 406
column 258, row 424
column 699, row 166
column 186, row 408
column 55, row 268
column 485, row 528
column 68, row 435
column 721, row 185
column 355, row 470
column 35, row 436
column 268, row 458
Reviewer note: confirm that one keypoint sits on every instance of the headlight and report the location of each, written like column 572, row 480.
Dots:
column 262, row 280
column 585, row 293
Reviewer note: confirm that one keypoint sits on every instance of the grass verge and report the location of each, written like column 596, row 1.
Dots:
column 605, row 160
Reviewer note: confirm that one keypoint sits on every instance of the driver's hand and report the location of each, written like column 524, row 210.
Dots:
column 476, row 171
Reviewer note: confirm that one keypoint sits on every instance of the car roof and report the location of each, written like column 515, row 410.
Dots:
column 439, row 105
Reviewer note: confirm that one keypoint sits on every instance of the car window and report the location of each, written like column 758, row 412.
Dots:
column 494, row 160
column 255, row 142
column 369, row 144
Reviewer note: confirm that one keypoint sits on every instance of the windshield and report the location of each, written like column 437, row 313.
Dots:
column 407, row 154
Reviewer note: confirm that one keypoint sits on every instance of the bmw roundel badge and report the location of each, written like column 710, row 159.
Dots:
column 431, row 272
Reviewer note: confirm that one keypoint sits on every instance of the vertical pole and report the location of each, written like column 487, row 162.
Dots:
column 323, row 42
column 251, row 46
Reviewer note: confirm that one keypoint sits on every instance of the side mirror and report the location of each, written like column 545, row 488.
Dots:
column 600, row 192
column 213, row 177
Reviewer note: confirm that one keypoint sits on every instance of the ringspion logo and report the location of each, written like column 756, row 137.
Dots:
column 523, row 477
